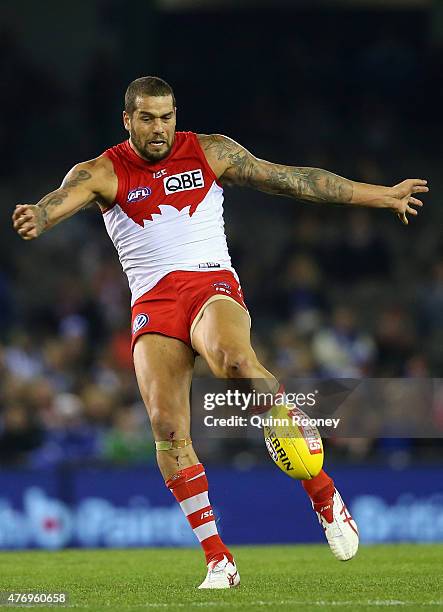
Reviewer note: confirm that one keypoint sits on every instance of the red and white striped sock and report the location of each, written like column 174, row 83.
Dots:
column 190, row 488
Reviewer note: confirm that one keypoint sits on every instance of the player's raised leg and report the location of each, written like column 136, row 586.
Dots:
column 222, row 337
column 164, row 369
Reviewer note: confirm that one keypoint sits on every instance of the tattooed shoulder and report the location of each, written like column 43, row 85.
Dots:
column 218, row 145
column 76, row 177
column 234, row 162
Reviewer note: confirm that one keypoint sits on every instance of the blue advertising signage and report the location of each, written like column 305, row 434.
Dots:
column 101, row 507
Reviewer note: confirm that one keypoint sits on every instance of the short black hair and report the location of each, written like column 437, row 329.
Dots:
column 146, row 86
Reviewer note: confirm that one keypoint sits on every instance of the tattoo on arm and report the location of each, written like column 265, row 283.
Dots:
column 55, row 198
column 240, row 163
column 309, row 184
column 79, row 176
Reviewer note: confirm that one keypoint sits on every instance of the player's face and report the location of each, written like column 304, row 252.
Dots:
column 152, row 126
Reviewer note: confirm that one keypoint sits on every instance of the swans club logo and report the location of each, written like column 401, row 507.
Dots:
column 138, row 194
column 140, row 321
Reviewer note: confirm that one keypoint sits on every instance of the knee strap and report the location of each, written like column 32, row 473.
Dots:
column 166, row 445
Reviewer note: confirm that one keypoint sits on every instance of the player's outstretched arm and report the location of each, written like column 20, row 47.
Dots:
column 234, row 163
column 85, row 183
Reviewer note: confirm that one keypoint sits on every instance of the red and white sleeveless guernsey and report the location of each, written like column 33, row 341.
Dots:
column 168, row 215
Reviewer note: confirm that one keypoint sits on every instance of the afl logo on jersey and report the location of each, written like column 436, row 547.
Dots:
column 193, row 179
column 140, row 321
column 138, row 194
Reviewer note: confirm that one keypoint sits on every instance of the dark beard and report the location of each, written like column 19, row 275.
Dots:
column 150, row 157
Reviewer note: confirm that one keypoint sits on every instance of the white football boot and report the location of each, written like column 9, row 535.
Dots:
column 221, row 575
column 339, row 527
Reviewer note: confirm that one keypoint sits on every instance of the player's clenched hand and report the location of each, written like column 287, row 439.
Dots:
column 28, row 221
column 402, row 201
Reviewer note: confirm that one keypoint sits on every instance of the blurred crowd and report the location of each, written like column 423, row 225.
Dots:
column 333, row 292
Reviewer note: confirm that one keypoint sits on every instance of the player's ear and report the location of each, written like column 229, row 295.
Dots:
column 126, row 121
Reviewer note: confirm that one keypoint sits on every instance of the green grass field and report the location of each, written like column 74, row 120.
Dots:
column 278, row 577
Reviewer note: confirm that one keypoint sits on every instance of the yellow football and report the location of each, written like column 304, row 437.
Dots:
column 295, row 448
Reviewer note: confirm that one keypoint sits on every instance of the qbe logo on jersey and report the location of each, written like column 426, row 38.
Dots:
column 192, row 179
